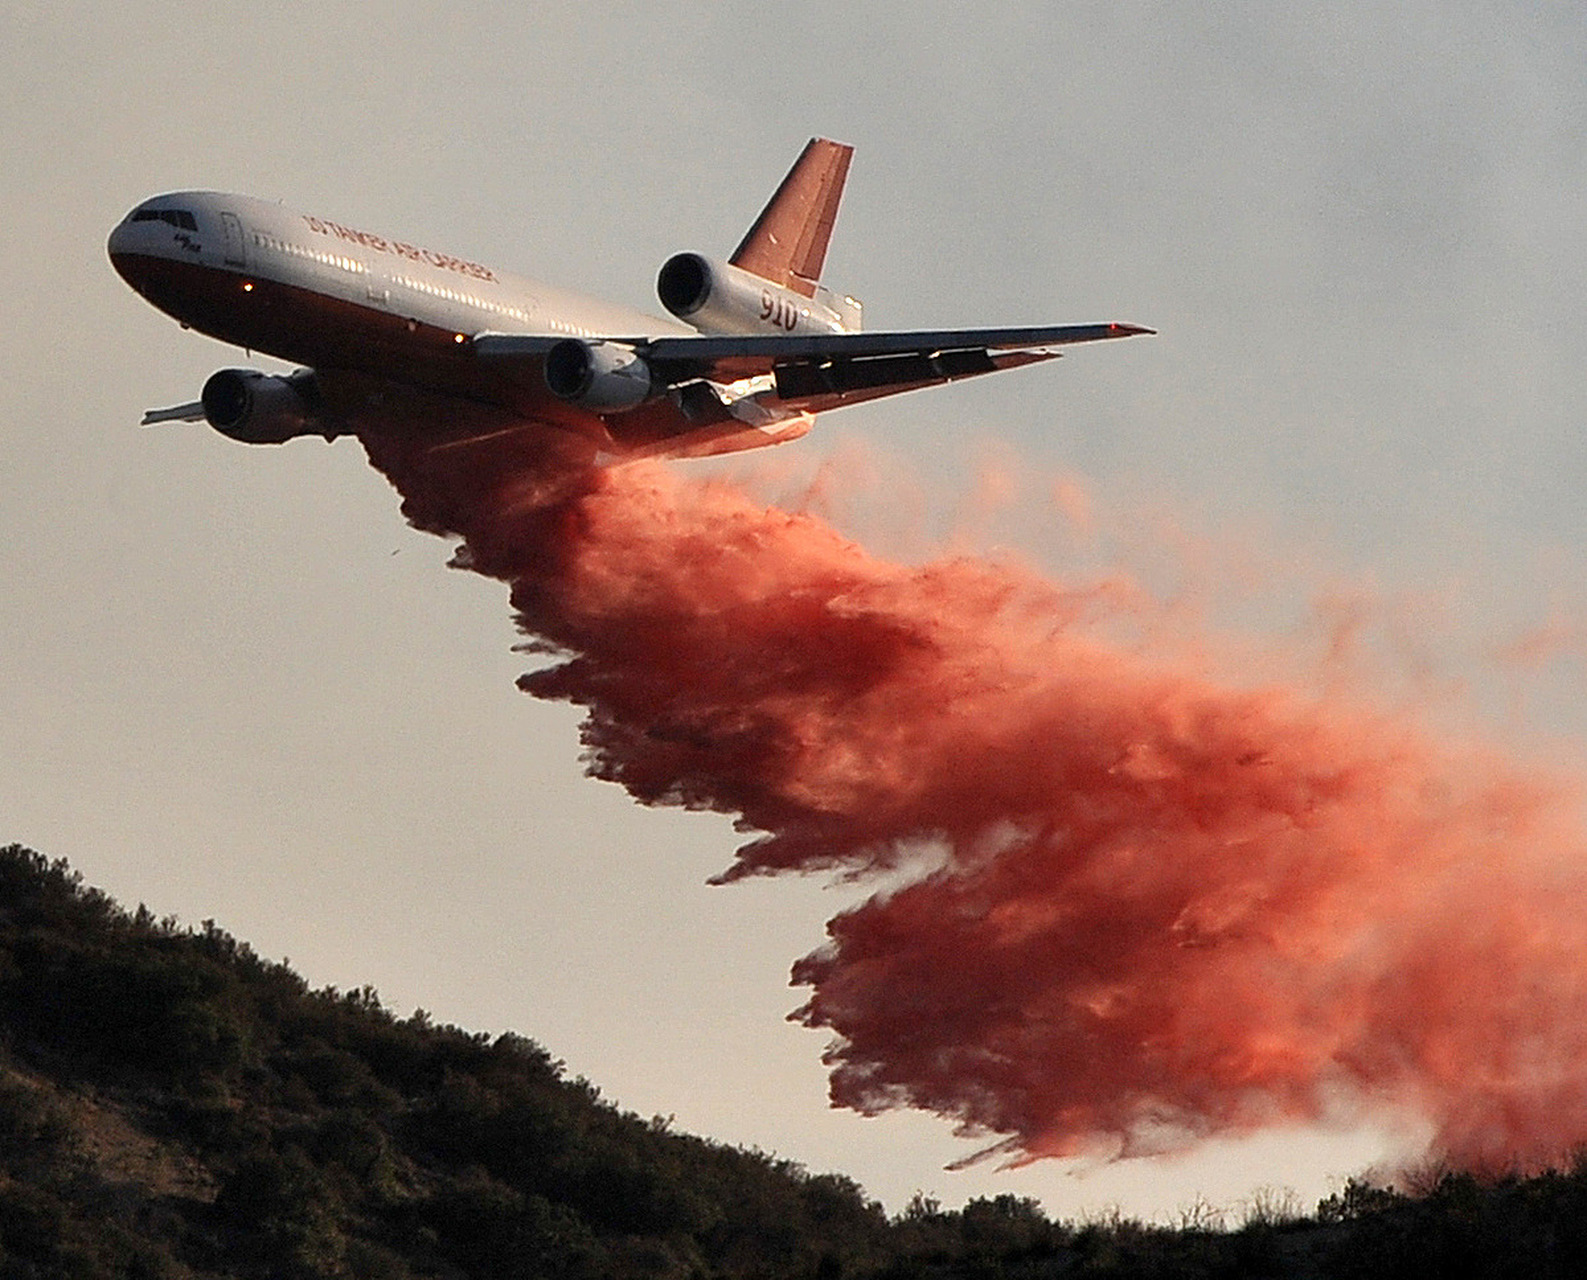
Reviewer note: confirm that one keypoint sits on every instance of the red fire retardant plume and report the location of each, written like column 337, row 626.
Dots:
column 1146, row 907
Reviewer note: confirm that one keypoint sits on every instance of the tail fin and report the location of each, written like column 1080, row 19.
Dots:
column 788, row 242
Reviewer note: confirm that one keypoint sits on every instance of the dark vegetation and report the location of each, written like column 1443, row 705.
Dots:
column 171, row 1105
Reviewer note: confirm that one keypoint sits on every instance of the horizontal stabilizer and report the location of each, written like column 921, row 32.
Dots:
column 180, row 413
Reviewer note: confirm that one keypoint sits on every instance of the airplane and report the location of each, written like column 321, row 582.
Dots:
column 387, row 330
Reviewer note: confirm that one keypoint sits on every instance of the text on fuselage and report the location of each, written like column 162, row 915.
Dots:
column 380, row 244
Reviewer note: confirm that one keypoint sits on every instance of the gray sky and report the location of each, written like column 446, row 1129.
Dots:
column 235, row 686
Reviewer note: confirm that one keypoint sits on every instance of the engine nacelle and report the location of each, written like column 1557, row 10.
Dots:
column 603, row 377
column 717, row 297
column 263, row 408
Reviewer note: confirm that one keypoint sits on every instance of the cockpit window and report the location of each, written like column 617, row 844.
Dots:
column 179, row 218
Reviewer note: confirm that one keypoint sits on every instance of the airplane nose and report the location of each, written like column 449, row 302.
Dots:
column 118, row 243
column 126, row 255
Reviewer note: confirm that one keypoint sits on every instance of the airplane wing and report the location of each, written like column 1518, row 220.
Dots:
column 824, row 369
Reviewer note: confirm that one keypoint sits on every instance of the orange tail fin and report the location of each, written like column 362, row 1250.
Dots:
column 788, row 242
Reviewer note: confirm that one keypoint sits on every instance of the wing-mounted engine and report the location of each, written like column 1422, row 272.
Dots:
column 263, row 408
column 719, row 298
column 603, row 377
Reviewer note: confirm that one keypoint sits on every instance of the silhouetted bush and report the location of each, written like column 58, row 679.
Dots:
column 172, row 1105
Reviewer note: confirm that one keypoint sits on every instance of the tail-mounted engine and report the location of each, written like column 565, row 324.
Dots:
column 717, row 297
column 262, row 408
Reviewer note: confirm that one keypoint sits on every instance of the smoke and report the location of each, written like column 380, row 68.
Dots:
column 1117, row 905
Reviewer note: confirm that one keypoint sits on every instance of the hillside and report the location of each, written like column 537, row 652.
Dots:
column 171, row 1105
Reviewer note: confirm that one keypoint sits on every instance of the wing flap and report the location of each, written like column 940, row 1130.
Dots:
column 838, row 377
column 818, row 388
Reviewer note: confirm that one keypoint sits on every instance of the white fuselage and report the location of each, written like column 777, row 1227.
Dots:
column 241, row 235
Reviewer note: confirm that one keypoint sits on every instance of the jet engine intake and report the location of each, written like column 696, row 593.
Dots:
column 717, row 297
column 262, row 408
column 604, row 377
